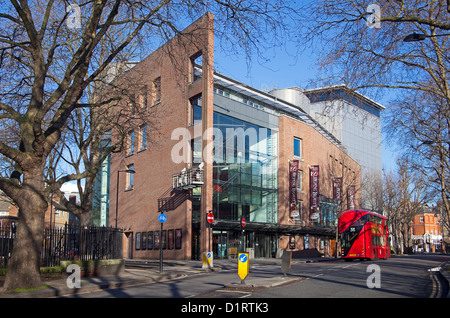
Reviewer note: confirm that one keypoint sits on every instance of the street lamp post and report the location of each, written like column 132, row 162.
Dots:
column 415, row 37
column 117, row 189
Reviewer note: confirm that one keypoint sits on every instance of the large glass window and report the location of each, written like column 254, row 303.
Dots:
column 245, row 171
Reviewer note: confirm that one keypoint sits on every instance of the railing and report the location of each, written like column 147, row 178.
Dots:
column 187, row 179
column 69, row 243
column 7, row 235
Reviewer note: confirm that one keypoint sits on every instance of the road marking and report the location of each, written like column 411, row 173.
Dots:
column 245, row 294
column 231, row 291
column 318, row 275
column 436, row 290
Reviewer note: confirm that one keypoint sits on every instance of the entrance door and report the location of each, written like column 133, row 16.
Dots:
column 262, row 245
column 333, row 247
column 129, row 236
column 220, row 244
column 195, row 252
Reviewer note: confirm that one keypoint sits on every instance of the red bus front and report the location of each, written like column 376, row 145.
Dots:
column 363, row 235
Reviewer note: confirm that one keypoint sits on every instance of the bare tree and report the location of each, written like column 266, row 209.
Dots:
column 421, row 123
column 49, row 58
column 361, row 53
column 373, row 191
column 345, row 174
column 366, row 50
column 404, row 195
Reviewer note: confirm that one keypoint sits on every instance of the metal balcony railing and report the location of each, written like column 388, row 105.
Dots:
column 189, row 179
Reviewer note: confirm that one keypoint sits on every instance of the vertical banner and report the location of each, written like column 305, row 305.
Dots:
column 314, row 192
column 351, row 197
column 337, row 191
column 293, row 176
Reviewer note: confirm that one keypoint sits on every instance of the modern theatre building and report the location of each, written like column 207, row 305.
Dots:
column 269, row 175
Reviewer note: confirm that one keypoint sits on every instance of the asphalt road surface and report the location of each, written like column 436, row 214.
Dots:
column 398, row 277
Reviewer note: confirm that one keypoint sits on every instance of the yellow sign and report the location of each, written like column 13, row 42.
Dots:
column 243, row 265
column 207, row 260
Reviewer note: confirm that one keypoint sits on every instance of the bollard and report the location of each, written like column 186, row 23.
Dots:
column 286, row 262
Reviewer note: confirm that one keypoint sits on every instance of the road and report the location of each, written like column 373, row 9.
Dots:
column 396, row 277
column 401, row 277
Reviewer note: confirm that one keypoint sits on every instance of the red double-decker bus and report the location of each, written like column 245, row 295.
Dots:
column 363, row 235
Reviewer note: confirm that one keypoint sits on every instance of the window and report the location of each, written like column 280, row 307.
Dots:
column 141, row 100
column 297, row 147
column 421, row 219
column 196, row 110
column 132, row 108
column 196, row 148
column 130, row 142
column 130, row 178
column 196, row 66
column 156, row 91
column 142, row 137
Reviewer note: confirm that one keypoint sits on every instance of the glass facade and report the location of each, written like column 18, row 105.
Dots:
column 245, row 171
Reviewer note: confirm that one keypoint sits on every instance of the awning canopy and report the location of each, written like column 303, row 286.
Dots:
column 280, row 229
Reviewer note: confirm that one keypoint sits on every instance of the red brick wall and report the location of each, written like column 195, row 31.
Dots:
column 138, row 208
column 316, row 150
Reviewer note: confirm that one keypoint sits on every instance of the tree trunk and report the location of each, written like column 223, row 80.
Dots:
column 24, row 265
column 85, row 219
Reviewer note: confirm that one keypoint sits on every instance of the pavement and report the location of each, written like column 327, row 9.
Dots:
column 140, row 271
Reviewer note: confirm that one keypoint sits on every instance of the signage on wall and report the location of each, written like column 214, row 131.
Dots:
column 314, row 192
column 293, row 180
column 351, row 197
column 337, row 190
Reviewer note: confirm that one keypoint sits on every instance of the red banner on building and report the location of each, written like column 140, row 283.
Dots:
column 337, row 191
column 293, row 180
column 314, row 192
column 351, row 200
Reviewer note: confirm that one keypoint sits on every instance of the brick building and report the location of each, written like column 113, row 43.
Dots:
column 427, row 232
column 209, row 144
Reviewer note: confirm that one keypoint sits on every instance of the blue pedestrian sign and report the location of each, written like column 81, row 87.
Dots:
column 243, row 265
column 162, row 218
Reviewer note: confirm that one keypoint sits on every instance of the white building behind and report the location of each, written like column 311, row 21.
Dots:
column 351, row 117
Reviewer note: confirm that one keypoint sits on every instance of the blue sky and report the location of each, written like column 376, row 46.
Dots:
column 283, row 70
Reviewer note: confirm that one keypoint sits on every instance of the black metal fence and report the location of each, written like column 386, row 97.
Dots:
column 69, row 243
column 7, row 234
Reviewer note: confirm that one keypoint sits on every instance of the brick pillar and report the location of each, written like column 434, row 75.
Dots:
column 207, row 125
